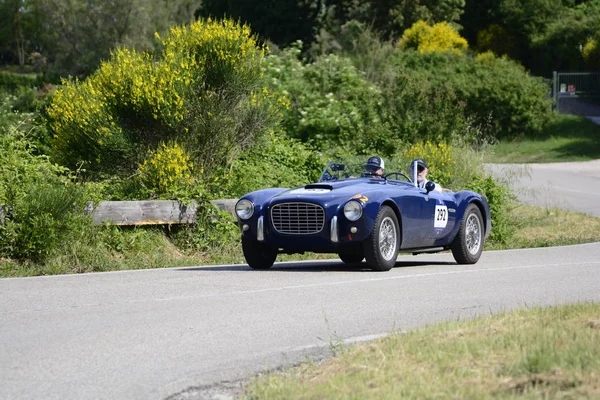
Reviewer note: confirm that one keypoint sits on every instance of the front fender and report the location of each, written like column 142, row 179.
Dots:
column 463, row 199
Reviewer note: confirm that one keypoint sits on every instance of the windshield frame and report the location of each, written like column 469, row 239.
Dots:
column 339, row 169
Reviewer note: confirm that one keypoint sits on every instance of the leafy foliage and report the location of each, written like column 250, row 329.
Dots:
column 282, row 22
column 500, row 200
column 495, row 91
column 391, row 18
column 41, row 204
column 167, row 171
column 417, row 110
column 275, row 161
column 74, row 36
column 591, row 53
column 544, row 36
column 331, row 103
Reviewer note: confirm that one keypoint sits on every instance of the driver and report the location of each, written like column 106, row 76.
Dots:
column 375, row 166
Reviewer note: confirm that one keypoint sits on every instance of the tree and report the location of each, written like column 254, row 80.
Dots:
column 76, row 35
column 478, row 16
column 392, row 17
column 568, row 41
column 83, row 33
column 280, row 21
column 17, row 29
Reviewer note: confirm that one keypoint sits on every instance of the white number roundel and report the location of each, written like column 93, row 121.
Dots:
column 440, row 218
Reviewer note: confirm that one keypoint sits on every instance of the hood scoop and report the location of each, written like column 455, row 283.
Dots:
column 319, row 186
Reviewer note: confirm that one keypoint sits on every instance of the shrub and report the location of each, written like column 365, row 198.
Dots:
column 11, row 81
column 499, row 198
column 203, row 90
column 415, row 110
column 332, row 104
column 439, row 38
column 496, row 38
column 275, row 161
column 493, row 89
column 41, row 203
column 591, row 53
column 167, row 172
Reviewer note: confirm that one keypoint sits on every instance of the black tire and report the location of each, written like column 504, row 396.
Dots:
column 352, row 256
column 258, row 255
column 377, row 260
column 468, row 243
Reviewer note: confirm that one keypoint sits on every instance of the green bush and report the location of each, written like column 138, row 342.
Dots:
column 331, row 102
column 495, row 91
column 499, row 198
column 416, row 110
column 274, row 161
column 41, row 204
column 11, row 81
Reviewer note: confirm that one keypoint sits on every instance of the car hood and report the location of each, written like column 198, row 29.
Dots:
column 327, row 191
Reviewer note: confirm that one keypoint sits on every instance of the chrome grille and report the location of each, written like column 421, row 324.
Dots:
column 298, row 218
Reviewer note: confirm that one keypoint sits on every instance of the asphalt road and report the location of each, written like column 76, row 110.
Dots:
column 152, row 334
column 570, row 186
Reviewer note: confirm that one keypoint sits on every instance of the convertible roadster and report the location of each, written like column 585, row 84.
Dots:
column 359, row 215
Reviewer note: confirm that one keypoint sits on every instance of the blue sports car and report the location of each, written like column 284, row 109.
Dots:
column 360, row 215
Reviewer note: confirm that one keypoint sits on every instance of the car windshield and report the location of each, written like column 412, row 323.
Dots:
column 355, row 167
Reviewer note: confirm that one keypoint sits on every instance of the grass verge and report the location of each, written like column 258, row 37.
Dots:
column 545, row 227
column 567, row 138
column 536, row 353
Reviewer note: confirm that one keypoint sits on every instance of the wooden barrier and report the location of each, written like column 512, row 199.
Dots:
column 150, row 212
column 146, row 212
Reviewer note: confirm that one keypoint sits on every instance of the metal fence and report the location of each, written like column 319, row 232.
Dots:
column 577, row 93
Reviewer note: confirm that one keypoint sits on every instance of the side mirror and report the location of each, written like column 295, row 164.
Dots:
column 430, row 186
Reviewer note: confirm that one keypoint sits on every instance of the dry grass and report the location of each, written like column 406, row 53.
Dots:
column 543, row 227
column 536, row 353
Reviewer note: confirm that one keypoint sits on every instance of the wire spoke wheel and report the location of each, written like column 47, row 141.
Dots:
column 468, row 243
column 473, row 234
column 387, row 239
column 382, row 245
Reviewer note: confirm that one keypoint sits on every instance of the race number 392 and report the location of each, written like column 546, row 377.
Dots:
column 440, row 218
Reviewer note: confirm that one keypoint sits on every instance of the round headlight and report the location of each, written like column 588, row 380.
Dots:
column 353, row 210
column 244, row 209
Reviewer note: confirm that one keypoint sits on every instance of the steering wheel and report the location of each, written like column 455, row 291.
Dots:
column 368, row 174
column 397, row 175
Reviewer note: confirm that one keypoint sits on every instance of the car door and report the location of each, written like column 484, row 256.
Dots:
column 441, row 216
column 417, row 215
column 427, row 218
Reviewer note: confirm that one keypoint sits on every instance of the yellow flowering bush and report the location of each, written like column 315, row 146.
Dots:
column 203, row 88
column 167, row 170
column 439, row 158
column 439, row 38
column 591, row 53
